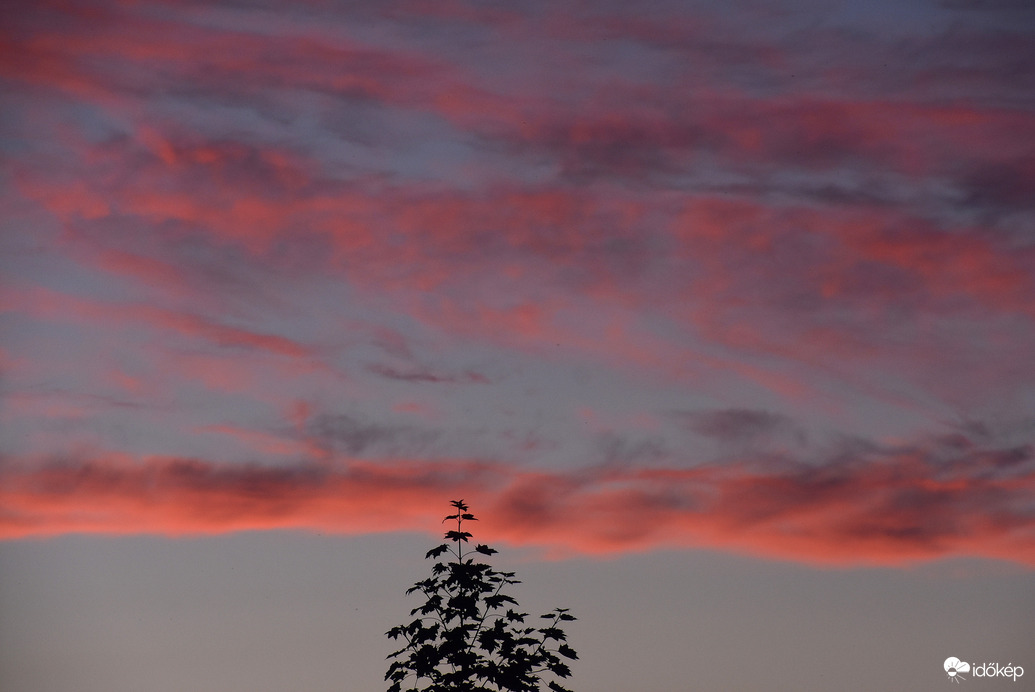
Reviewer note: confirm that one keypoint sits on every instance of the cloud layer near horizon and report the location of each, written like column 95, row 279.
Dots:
column 869, row 506
column 250, row 250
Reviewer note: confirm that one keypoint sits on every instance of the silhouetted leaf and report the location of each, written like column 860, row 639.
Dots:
column 435, row 552
column 553, row 633
column 560, row 670
column 498, row 600
column 567, row 651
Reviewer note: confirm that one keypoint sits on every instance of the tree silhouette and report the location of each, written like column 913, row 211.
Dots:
column 466, row 638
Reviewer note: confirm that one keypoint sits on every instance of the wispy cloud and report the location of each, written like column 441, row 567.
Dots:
column 733, row 424
column 50, row 305
column 883, row 506
column 425, row 375
column 293, row 230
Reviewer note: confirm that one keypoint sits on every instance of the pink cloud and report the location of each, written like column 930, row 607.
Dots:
column 549, row 257
column 98, row 56
column 632, row 249
column 260, row 441
column 43, row 303
column 891, row 508
column 144, row 270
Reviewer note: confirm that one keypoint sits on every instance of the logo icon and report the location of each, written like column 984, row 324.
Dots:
column 953, row 667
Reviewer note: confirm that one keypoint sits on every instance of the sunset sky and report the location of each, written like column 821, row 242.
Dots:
column 719, row 315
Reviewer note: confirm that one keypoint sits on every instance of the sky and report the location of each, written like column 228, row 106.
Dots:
column 719, row 315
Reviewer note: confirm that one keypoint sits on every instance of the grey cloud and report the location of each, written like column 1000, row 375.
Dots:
column 729, row 425
column 350, row 435
column 620, row 449
column 420, row 374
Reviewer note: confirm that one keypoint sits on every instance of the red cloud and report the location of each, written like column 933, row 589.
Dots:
column 890, row 509
column 517, row 265
column 52, row 305
column 115, row 56
column 598, row 259
column 145, row 270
